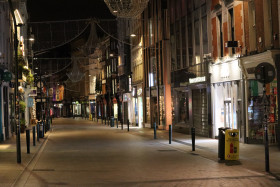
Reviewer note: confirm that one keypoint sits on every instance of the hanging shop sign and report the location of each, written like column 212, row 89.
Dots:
column 115, row 101
column 33, row 92
column 39, row 100
column 30, row 102
column 265, row 73
column 7, row 76
column 1, row 74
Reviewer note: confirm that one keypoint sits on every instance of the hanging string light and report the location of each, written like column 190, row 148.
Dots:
column 126, row 8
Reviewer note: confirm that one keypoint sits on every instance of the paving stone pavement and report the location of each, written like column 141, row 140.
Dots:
column 65, row 158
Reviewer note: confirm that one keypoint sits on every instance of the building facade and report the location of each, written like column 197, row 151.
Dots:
column 261, row 23
column 156, row 54
column 190, row 55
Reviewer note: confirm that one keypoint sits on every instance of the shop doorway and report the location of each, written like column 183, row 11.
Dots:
column 6, row 112
column 154, row 112
column 240, row 124
column 227, row 114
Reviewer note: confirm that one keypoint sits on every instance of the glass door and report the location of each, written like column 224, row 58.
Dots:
column 227, row 114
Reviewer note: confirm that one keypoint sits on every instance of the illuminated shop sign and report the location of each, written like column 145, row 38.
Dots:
column 197, row 79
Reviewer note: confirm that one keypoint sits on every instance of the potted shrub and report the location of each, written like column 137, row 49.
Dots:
column 22, row 125
column 22, row 106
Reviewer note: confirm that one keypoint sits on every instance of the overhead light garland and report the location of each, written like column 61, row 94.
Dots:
column 126, row 8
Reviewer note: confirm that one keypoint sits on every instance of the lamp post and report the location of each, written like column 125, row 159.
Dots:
column 16, row 96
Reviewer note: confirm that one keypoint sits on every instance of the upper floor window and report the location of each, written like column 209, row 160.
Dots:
column 220, row 34
column 231, row 27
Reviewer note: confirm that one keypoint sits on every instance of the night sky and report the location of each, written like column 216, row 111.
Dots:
column 54, row 10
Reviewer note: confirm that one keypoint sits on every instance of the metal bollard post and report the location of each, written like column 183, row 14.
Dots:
column 170, row 134
column 122, row 123
column 34, row 135
column 127, row 125
column 193, row 138
column 43, row 133
column 38, row 131
column 28, row 141
column 155, row 130
column 117, row 123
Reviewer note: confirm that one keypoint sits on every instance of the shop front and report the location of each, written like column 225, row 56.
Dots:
column 77, row 109
column 180, row 106
column 227, row 91
column 255, row 99
column 99, row 107
column 199, row 105
column 137, row 105
column 127, row 103
column 115, row 108
column 92, row 108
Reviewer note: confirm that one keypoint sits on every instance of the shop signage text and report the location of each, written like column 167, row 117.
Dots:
column 197, row 79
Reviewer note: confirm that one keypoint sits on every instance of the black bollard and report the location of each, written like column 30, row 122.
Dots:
column 38, row 131
column 193, row 138
column 127, row 125
column 170, row 134
column 155, row 130
column 117, row 123
column 122, row 123
column 105, row 121
column 28, row 141
column 34, row 135
column 43, row 125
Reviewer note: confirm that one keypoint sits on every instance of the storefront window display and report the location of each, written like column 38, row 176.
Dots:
column 162, row 107
column 92, row 107
column 140, row 112
column 226, row 98
column 181, row 110
column 76, row 109
column 148, row 112
column 116, row 110
column 256, row 111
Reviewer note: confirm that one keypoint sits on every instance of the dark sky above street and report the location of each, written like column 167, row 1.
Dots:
column 53, row 10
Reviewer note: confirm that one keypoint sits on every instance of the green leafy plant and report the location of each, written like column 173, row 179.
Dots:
column 30, row 79
column 22, row 106
column 22, row 125
column 22, row 121
column 25, row 72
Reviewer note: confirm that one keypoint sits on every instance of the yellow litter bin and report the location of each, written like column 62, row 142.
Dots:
column 90, row 117
column 232, row 144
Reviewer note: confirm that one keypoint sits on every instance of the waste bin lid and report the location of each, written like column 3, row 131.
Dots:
column 223, row 128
